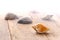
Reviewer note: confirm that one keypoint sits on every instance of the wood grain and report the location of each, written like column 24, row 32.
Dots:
column 4, row 31
column 25, row 31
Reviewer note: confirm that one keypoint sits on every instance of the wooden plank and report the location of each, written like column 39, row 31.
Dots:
column 24, row 32
column 53, row 25
column 4, row 32
column 54, row 30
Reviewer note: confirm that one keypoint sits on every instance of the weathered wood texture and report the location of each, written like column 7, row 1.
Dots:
column 4, row 31
column 25, row 31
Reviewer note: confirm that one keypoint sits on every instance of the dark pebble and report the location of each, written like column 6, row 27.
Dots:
column 25, row 20
column 11, row 16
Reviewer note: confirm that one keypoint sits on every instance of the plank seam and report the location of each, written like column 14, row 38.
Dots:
column 9, row 31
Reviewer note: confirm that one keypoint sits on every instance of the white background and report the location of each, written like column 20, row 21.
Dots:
column 23, row 6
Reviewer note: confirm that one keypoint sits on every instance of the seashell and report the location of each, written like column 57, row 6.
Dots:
column 25, row 20
column 11, row 16
column 40, row 28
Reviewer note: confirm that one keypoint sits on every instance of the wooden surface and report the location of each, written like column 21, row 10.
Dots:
column 4, row 31
column 11, row 30
column 25, row 32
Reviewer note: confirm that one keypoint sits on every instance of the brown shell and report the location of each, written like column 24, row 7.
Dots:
column 40, row 28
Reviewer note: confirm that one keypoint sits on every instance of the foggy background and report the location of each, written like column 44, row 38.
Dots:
column 22, row 7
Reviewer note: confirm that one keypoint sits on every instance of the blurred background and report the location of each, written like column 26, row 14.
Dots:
column 23, row 7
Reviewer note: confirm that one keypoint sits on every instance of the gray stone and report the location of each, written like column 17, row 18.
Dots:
column 11, row 16
column 25, row 20
column 48, row 17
